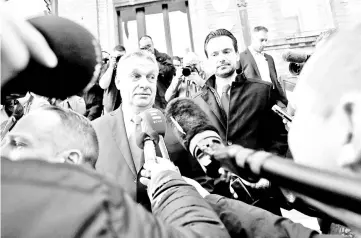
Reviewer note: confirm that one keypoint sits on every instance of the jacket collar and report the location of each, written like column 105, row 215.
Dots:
column 240, row 79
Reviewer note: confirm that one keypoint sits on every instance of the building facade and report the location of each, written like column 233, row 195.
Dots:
column 179, row 26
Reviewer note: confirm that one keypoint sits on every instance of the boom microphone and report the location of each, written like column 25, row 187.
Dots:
column 195, row 132
column 294, row 57
column 153, row 129
column 328, row 187
column 78, row 54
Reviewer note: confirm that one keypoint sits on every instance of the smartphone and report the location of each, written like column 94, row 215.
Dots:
column 277, row 109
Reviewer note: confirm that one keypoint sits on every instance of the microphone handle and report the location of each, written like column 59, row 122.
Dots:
column 328, row 187
column 163, row 148
column 149, row 150
column 9, row 124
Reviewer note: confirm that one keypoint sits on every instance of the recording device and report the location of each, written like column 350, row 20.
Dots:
column 153, row 129
column 332, row 188
column 187, row 70
column 297, row 61
column 79, row 61
column 196, row 133
column 277, row 109
column 17, row 113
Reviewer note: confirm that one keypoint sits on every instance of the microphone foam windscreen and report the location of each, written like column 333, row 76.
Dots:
column 190, row 117
column 78, row 54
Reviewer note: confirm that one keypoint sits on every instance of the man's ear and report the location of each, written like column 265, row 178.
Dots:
column 74, row 157
column 350, row 155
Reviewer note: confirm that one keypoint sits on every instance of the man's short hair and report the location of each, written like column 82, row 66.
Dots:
column 119, row 48
column 145, row 36
column 176, row 58
column 218, row 33
column 143, row 54
column 80, row 133
column 260, row 28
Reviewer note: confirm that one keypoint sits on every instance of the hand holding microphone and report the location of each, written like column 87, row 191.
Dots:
column 152, row 168
column 153, row 129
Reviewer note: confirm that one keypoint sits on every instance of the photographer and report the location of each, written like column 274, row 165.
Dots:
column 112, row 98
column 188, row 81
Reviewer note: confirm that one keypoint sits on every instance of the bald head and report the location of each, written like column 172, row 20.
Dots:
column 333, row 70
column 326, row 130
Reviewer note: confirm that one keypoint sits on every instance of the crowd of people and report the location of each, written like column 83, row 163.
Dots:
column 74, row 168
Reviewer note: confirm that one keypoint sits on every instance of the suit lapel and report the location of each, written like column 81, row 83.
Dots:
column 253, row 62
column 213, row 109
column 271, row 71
column 120, row 136
column 207, row 104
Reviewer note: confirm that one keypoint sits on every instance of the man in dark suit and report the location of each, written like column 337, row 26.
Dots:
column 256, row 64
column 166, row 70
column 239, row 107
column 119, row 155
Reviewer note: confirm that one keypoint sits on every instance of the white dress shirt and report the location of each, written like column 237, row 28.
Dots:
column 262, row 64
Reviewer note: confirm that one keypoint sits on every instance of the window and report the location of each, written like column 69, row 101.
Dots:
column 312, row 15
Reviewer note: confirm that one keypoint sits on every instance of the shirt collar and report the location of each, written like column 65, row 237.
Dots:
column 255, row 52
column 127, row 114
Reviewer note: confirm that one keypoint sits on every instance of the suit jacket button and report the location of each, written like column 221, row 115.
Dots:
column 229, row 143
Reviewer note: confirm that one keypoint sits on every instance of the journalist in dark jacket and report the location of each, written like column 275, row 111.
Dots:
column 41, row 199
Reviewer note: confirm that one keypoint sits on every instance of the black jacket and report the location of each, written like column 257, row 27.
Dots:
column 166, row 73
column 243, row 220
column 94, row 102
column 40, row 199
column 251, row 123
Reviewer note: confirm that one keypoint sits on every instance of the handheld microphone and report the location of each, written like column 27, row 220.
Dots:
column 295, row 57
column 329, row 187
column 153, row 129
column 16, row 115
column 79, row 60
column 196, row 133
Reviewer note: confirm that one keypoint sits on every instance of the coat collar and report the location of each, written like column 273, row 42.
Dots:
column 240, row 79
column 120, row 136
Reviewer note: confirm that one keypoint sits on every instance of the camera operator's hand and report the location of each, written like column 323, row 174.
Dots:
column 290, row 111
column 112, row 61
column 21, row 41
column 152, row 168
column 174, row 86
column 196, row 79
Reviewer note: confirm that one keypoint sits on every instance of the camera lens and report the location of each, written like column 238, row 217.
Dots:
column 186, row 71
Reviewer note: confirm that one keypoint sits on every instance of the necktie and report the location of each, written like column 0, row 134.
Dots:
column 137, row 153
column 225, row 98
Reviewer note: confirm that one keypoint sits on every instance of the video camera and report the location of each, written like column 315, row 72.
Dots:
column 187, row 70
column 297, row 61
